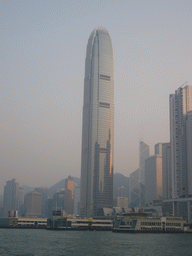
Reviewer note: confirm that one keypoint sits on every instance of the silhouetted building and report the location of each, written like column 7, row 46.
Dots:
column 44, row 194
column 137, row 179
column 1, row 206
column 10, row 199
column 122, row 202
column 189, row 152
column 50, row 207
column 98, row 125
column 167, row 174
column 59, row 200
column 153, row 179
column 134, row 188
column 77, row 200
column 21, row 201
column 143, row 155
column 122, row 191
column 33, row 201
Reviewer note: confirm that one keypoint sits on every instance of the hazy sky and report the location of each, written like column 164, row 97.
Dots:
column 43, row 47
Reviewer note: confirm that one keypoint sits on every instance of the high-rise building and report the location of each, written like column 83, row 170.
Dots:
column 166, row 168
column 143, row 155
column 189, row 152
column 137, row 179
column 98, row 125
column 77, row 200
column 21, row 201
column 122, row 191
column 153, row 178
column 180, row 105
column 10, row 199
column 33, row 201
column 44, row 195
column 122, row 202
column 163, row 150
column 69, row 195
column 134, row 188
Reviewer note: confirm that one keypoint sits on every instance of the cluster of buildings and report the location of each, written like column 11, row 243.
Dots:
column 37, row 203
column 165, row 178
column 163, row 181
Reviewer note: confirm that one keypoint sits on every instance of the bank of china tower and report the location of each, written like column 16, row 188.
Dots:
column 98, row 126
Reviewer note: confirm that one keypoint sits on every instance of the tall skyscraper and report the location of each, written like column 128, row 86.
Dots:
column 134, row 189
column 163, row 150
column 10, row 199
column 98, row 125
column 180, row 105
column 189, row 152
column 69, row 195
column 33, row 202
column 153, row 178
column 143, row 155
column 77, row 200
column 166, row 175
column 137, row 178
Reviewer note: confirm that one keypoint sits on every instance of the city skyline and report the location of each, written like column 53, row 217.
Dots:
column 43, row 51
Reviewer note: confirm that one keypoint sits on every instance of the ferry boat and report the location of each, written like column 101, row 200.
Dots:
column 124, row 229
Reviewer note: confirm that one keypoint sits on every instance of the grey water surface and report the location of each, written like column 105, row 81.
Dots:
column 30, row 242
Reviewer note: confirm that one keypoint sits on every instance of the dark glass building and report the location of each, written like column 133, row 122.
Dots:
column 98, row 125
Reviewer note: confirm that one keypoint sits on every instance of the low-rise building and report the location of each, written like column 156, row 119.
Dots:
column 178, row 207
column 23, row 222
column 61, row 221
column 139, row 222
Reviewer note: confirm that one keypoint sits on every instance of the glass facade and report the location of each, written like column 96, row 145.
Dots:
column 180, row 105
column 98, row 125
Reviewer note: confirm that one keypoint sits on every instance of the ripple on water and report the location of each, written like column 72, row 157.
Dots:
column 31, row 242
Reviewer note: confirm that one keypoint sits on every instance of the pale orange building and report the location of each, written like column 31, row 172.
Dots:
column 69, row 195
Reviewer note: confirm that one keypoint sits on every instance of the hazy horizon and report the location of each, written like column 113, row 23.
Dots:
column 42, row 80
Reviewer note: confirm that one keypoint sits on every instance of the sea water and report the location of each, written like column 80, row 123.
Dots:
column 31, row 242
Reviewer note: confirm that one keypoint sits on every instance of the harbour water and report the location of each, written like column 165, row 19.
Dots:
column 30, row 242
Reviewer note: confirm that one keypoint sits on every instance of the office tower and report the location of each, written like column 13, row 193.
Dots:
column 55, row 203
column 77, row 200
column 59, row 200
column 159, row 149
column 137, row 179
column 189, row 152
column 163, row 150
column 49, row 207
column 166, row 169
column 69, row 195
column 153, row 178
column 180, row 105
column 143, row 155
column 10, row 199
column 120, row 180
column 98, row 125
column 122, row 191
column 21, row 201
column 33, row 201
column 20, row 196
column 44, row 195
column 134, row 188
column 122, row 202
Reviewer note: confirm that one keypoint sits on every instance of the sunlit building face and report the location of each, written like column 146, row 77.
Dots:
column 98, row 125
